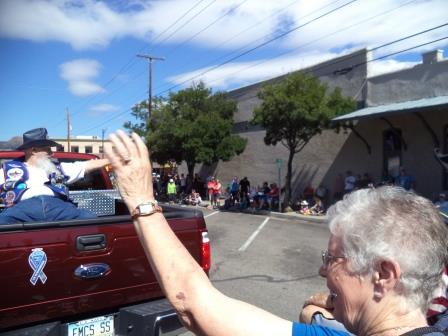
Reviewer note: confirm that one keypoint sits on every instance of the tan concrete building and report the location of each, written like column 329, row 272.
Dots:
column 82, row 144
column 418, row 126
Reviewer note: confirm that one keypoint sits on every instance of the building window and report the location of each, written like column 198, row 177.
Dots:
column 75, row 149
column 392, row 147
column 89, row 150
column 59, row 148
column 100, row 148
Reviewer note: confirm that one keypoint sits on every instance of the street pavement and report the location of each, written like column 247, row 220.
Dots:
column 265, row 258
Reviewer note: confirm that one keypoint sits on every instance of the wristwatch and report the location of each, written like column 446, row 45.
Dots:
column 146, row 209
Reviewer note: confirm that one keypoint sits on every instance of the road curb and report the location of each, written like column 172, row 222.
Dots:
column 289, row 215
column 314, row 219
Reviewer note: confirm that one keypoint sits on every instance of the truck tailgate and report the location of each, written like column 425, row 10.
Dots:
column 60, row 271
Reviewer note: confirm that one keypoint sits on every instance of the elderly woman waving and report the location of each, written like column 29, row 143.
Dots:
column 386, row 254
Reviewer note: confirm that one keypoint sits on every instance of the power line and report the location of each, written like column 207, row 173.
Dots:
column 319, row 39
column 261, row 38
column 256, row 24
column 385, row 45
column 103, row 97
column 388, row 42
column 336, row 32
column 202, row 10
column 401, row 51
column 318, row 68
column 178, row 19
column 207, row 27
column 115, row 116
column 188, row 21
column 314, row 68
column 269, row 16
column 108, row 120
column 185, row 23
column 132, row 61
column 363, row 21
column 259, row 46
column 410, row 36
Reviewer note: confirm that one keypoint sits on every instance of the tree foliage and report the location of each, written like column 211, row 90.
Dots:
column 192, row 125
column 140, row 112
column 296, row 109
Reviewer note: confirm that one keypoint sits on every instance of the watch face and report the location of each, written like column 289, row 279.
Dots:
column 146, row 208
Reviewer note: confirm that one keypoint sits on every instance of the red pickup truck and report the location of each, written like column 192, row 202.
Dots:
column 89, row 277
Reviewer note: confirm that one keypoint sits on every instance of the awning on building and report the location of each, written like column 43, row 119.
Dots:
column 396, row 108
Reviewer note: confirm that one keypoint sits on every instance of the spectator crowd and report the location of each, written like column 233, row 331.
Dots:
column 239, row 194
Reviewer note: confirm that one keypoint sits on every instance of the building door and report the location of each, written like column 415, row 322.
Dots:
column 392, row 148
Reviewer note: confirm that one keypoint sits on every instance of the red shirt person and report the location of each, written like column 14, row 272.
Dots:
column 210, row 187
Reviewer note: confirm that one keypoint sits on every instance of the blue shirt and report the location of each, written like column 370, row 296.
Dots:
column 405, row 181
column 300, row 329
column 234, row 186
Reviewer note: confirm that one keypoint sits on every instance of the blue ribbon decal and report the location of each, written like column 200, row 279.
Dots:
column 37, row 260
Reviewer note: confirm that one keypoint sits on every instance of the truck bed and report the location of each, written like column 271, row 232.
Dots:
column 93, row 267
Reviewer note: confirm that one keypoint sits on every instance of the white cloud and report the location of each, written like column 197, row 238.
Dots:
column 84, row 88
column 82, row 24
column 93, row 24
column 104, row 108
column 358, row 25
column 386, row 66
column 79, row 74
column 237, row 74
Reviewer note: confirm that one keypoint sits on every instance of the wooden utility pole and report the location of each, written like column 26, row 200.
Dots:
column 68, row 130
column 150, row 59
column 102, row 142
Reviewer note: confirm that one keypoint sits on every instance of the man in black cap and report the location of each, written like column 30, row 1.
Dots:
column 36, row 189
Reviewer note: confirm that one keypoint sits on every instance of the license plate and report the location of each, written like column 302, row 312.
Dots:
column 98, row 326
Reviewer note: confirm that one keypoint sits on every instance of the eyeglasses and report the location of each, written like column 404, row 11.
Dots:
column 327, row 258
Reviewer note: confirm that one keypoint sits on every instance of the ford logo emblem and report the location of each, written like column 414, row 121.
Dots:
column 92, row 271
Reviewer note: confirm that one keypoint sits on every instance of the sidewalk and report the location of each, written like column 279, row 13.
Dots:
column 274, row 214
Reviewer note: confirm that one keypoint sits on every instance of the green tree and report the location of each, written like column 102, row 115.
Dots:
column 296, row 109
column 140, row 112
column 192, row 125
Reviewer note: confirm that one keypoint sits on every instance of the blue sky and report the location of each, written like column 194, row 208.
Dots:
column 81, row 55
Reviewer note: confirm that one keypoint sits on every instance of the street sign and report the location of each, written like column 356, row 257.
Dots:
column 279, row 163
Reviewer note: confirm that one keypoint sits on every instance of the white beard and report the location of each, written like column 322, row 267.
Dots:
column 46, row 164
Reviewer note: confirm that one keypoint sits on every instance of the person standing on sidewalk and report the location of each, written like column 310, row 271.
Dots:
column 349, row 182
column 217, row 189
column 210, row 189
column 171, row 191
column 244, row 190
column 183, row 185
column 234, row 191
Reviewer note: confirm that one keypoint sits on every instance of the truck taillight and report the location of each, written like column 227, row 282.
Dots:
column 205, row 251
